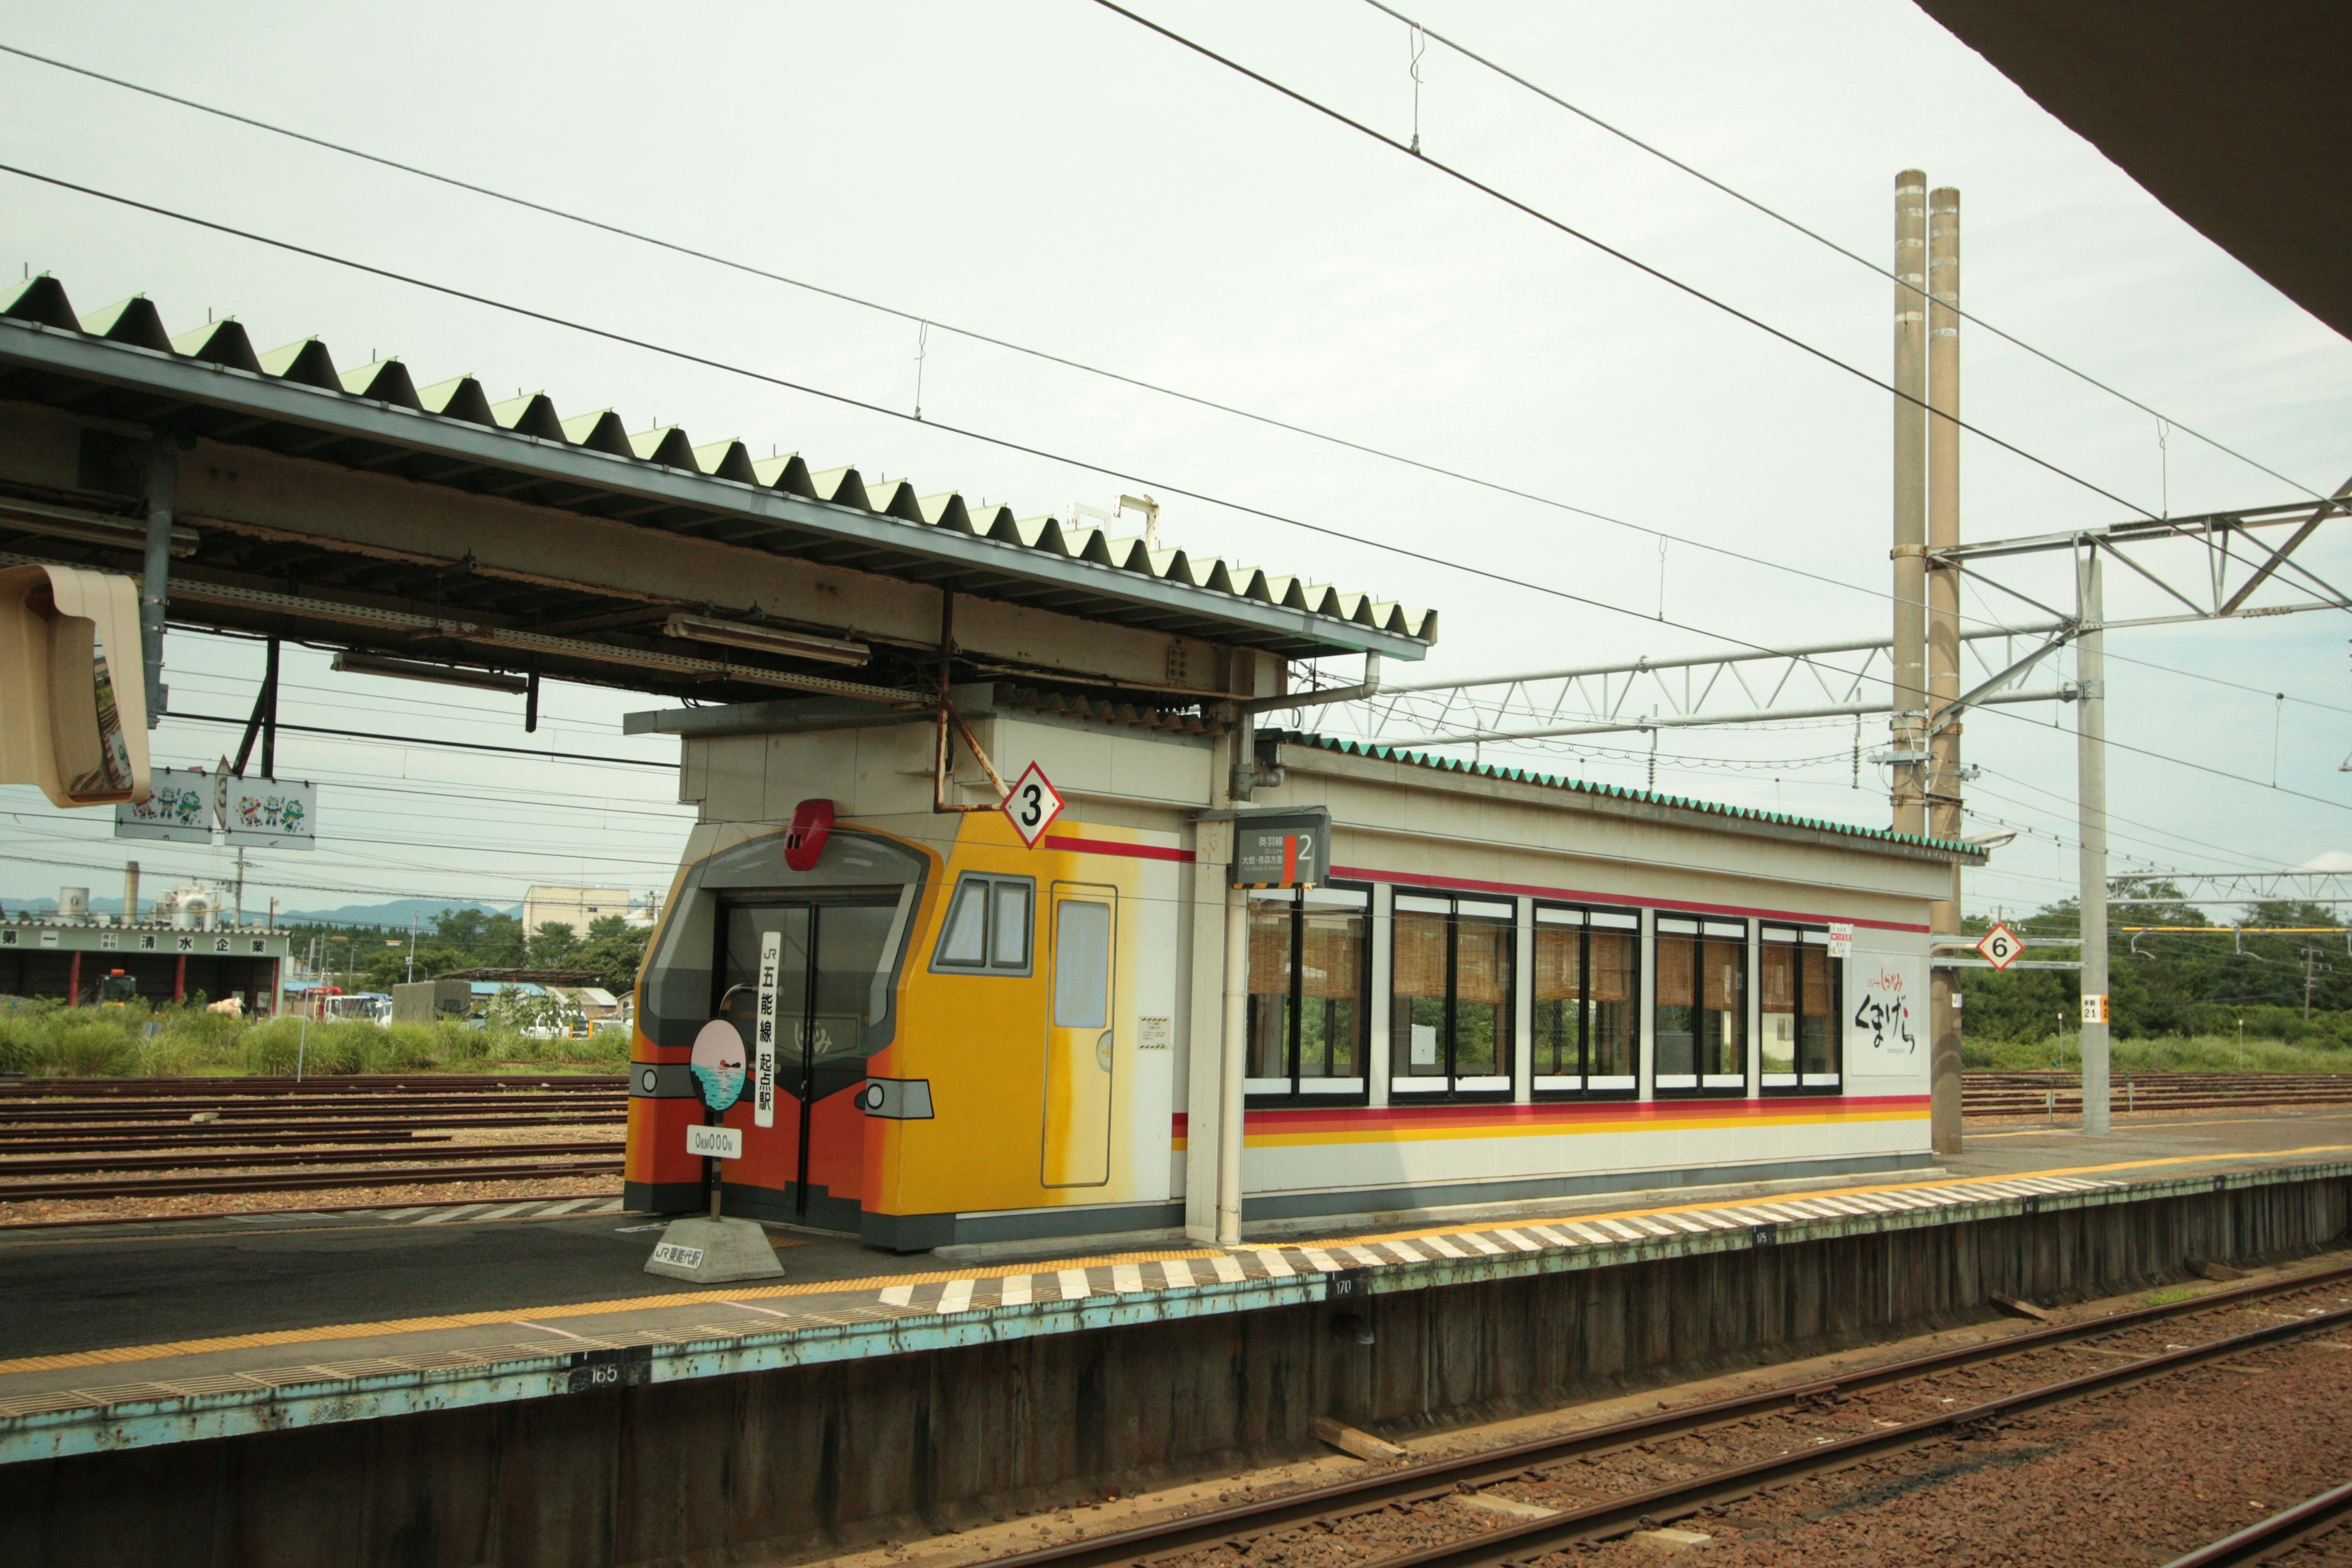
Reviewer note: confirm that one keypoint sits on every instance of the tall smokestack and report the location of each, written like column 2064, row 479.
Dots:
column 129, row 892
column 1910, row 682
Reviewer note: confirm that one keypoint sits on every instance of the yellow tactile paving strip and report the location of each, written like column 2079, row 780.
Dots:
column 115, row 1355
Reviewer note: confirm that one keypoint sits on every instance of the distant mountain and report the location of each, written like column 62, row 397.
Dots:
column 395, row 913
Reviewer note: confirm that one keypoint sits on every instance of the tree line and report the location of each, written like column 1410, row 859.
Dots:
column 2283, row 983
column 378, row 958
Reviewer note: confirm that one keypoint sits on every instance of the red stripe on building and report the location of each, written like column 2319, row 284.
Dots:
column 1132, row 851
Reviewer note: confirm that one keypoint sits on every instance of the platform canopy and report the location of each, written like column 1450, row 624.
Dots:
column 2191, row 98
column 354, row 507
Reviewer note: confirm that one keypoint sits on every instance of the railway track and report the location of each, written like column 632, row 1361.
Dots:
column 1339, row 1511
column 111, row 1138
column 2283, row 1537
column 346, row 1084
column 1990, row 1094
column 545, row 1107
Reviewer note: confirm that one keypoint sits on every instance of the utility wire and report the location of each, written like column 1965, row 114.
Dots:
column 1780, row 217
column 926, row 322
column 419, row 740
column 1563, row 226
column 689, row 357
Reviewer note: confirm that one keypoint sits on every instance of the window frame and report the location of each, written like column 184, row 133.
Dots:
column 1506, row 1075
column 1614, row 919
column 1262, row 1092
column 988, row 882
column 1702, row 930
column 1805, row 935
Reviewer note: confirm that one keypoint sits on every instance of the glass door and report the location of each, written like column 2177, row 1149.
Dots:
column 1079, row 1037
column 805, row 980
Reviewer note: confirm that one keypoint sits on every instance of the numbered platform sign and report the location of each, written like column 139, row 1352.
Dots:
column 2001, row 947
column 1033, row 803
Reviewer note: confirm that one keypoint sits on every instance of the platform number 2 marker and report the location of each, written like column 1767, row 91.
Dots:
column 1033, row 803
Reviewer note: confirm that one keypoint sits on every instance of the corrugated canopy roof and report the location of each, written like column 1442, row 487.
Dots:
column 123, row 363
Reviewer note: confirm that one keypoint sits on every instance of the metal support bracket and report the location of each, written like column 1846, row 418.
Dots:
column 942, row 763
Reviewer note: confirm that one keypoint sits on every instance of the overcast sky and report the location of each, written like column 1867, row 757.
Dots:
column 1054, row 176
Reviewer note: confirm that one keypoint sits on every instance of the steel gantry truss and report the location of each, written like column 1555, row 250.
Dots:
column 2231, row 562
column 2235, row 887
column 1736, row 687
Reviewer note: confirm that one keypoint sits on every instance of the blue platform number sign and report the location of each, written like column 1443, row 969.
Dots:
column 719, row 1063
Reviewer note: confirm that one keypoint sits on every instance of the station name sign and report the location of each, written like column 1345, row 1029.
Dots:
column 1282, row 849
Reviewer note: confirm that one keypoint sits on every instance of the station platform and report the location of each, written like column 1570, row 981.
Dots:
column 126, row 1336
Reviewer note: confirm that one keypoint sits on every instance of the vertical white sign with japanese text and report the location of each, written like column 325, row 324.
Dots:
column 763, row 1031
column 1886, row 1012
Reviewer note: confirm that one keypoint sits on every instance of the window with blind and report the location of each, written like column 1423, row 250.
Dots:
column 1449, row 977
column 1583, row 1035
column 1699, row 1020
column 1308, row 1006
column 1801, row 997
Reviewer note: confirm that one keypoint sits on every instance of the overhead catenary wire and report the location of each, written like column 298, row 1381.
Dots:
column 2164, row 420
column 1583, row 237
column 1005, row 443
column 924, row 322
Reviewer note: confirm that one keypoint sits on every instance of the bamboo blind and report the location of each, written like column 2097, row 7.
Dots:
column 1269, row 948
column 1482, row 961
column 1558, row 963
column 1676, row 968
column 1420, row 956
column 1612, row 966
column 1334, row 948
column 1721, row 967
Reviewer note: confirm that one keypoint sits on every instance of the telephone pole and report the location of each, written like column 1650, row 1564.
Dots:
column 1943, row 643
column 2091, row 807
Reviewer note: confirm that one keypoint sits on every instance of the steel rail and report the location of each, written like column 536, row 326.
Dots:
column 1435, row 1479
column 1516, row 1544
column 231, row 1111
column 379, row 1084
column 258, row 1160
column 107, row 1141
column 2275, row 1536
column 180, row 1131
column 28, row 1192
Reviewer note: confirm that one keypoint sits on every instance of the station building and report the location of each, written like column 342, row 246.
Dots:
column 1500, row 987
column 69, row 960
column 1508, row 987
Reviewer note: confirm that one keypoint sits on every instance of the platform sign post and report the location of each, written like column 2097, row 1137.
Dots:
column 2001, row 947
column 1282, row 849
column 717, row 1064
column 710, row 1250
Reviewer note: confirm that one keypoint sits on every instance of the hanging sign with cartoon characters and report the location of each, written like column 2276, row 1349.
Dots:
column 268, row 814
column 178, row 810
column 1886, row 1013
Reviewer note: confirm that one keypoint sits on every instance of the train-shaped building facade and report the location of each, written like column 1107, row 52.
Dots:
column 1505, row 987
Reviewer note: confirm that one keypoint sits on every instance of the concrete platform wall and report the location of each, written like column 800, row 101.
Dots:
column 805, row 1460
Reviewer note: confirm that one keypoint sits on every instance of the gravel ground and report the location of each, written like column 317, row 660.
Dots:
column 191, row 1206
column 2134, row 1476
